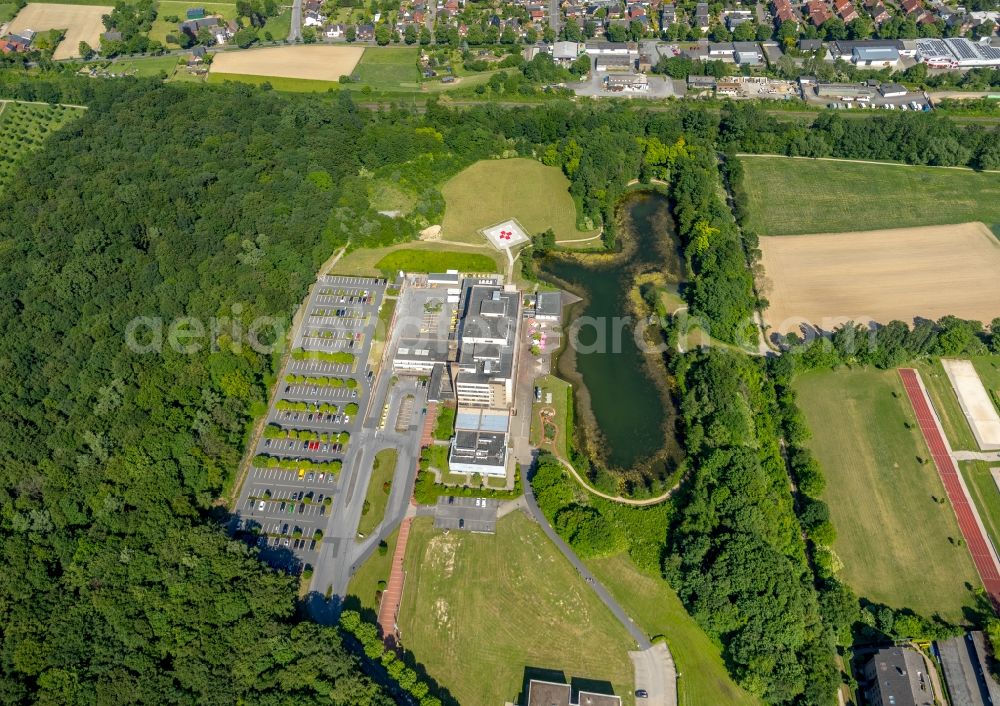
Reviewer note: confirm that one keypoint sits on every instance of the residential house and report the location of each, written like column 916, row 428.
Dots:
column 192, row 27
column 783, row 12
column 877, row 10
column 366, row 33
column 668, row 14
column 701, row 17
column 897, row 675
column 845, row 9
column 313, row 19
column 734, row 18
column 335, row 31
column 819, row 12
column 911, row 6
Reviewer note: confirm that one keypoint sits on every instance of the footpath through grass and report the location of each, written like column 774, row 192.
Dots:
column 795, row 196
column 892, row 533
column 478, row 610
column 379, row 488
column 491, row 191
column 657, row 610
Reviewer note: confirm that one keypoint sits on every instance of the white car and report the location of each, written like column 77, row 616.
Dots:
column 261, row 505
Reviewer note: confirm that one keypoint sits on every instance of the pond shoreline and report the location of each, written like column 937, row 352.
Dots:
column 636, row 442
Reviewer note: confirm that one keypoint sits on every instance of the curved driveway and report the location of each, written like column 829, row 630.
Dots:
column 654, row 666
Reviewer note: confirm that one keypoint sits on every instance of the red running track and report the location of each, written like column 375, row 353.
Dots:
column 974, row 539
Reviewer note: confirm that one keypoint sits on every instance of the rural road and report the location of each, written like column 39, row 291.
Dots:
column 295, row 33
column 654, row 666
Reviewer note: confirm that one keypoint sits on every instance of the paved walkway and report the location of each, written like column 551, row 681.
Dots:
column 983, row 554
column 430, row 421
column 987, row 456
column 656, row 668
column 392, row 596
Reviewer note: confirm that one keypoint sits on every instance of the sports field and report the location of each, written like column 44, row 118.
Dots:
column 479, row 609
column 81, row 22
column 657, row 610
column 492, row 191
column 313, row 62
column 831, row 278
column 892, row 535
column 790, row 196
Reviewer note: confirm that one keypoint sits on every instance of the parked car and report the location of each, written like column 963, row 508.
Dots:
column 261, row 505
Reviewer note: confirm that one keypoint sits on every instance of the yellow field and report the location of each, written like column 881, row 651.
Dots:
column 877, row 276
column 81, row 22
column 317, row 63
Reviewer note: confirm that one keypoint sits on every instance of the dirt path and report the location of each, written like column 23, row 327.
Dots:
column 866, row 161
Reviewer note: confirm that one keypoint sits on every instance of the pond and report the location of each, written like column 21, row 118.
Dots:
column 625, row 416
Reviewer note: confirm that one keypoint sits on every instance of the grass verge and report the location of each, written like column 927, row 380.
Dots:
column 379, row 487
column 654, row 606
column 985, row 495
column 363, row 589
column 434, row 261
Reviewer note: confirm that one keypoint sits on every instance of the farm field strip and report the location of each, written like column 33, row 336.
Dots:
column 981, row 549
column 81, row 22
column 843, row 195
column 877, row 276
column 313, row 62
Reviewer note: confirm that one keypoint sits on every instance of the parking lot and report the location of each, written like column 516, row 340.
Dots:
column 311, row 423
column 466, row 514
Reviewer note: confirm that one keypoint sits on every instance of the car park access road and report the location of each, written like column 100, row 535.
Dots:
column 342, row 553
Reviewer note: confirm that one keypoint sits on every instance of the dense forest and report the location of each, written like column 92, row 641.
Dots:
column 118, row 581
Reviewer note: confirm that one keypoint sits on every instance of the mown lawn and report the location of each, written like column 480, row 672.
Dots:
column 655, row 607
column 7, row 11
column 378, row 495
column 791, row 196
column 386, row 68
column 892, row 535
column 491, row 191
column 434, row 261
column 366, row 261
column 145, row 66
column 480, row 609
column 985, row 495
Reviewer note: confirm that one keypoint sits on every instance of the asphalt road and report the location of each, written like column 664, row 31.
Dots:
column 295, row 33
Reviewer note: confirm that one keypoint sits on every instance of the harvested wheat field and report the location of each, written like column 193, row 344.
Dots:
column 317, row 63
column 880, row 275
column 81, row 22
